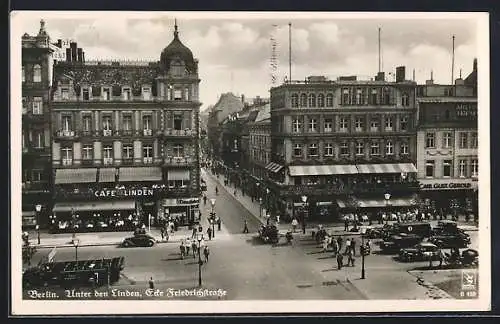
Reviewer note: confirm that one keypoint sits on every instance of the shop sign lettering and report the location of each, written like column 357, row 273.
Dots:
column 450, row 185
column 124, row 193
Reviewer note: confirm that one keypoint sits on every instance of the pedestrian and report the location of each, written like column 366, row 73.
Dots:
column 346, row 224
column 218, row 221
column 353, row 247
column 350, row 258
column 277, row 219
column 209, row 232
column 303, row 227
column 335, row 246
column 206, row 253
column 151, row 283
column 340, row 260
column 442, row 257
column 194, row 247
column 216, row 191
column 245, row 228
column 347, row 246
column 294, row 224
column 162, row 232
column 193, row 234
column 188, row 245
column 204, row 199
column 182, row 248
column 235, row 192
column 325, row 244
column 339, row 242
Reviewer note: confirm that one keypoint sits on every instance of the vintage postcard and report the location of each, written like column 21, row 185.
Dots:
column 223, row 162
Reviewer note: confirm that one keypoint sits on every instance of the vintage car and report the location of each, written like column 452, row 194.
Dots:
column 139, row 240
column 447, row 227
column 449, row 241
column 420, row 252
column 400, row 241
column 269, row 233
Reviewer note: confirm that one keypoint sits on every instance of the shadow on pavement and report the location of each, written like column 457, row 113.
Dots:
column 255, row 240
column 325, row 258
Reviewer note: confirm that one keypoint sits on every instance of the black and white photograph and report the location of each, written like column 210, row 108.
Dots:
column 244, row 162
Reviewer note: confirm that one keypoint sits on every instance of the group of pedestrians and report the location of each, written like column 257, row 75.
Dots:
column 188, row 245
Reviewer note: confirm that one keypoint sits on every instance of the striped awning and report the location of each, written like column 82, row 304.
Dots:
column 107, row 174
column 178, row 175
column 94, row 206
column 316, row 170
column 274, row 167
column 140, row 174
column 386, row 168
column 81, row 175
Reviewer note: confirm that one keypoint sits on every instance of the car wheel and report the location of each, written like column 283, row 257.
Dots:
column 126, row 244
column 151, row 243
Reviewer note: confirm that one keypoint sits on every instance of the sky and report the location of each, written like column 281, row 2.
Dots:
column 234, row 50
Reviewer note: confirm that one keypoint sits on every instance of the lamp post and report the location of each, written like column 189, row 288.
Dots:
column 149, row 223
column 267, row 201
column 304, row 202
column 260, row 207
column 363, row 232
column 387, row 197
column 75, row 244
column 212, row 202
column 199, row 238
column 38, row 209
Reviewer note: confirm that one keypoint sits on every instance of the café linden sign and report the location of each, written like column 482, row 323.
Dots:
column 124, row 192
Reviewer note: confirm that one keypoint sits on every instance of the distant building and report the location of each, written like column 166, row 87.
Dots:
column 126, row 140
column 343, row 145
column 260, row 142
column 36, row 75
column 447, row 141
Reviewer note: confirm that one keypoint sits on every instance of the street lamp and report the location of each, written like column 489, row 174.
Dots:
column 38, row 209
column 363, row 251
column 199, row 238
column 75, row 244
column 212, row 202
column 387, row 196
column 267, row 201
column 304, row 202
column 260, row 207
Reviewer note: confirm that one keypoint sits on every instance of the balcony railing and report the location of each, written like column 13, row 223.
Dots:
column 147, row 160
column 107, row 132
column 67, row 162
column 178, row 160
column 148, row 132
column 66, row 134
column 108, row 161
column 178, row 132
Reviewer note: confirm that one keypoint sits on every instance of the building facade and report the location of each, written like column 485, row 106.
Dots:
column 36, row 68
column 125, row 147
column 343, row 144
column 447, row 141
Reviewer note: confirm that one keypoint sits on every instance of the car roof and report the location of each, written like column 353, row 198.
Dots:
column 427, row 244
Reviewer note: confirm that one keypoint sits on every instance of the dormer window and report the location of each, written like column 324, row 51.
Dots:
column 177, row 68
column 86, row 94
column 106, row 92
column 146, row 93
column 126, row 93
column 64, row 93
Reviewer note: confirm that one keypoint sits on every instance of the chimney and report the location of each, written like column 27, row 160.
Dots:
column 68, row 54
column 400, row 74
column 79, row 55
column 380, row 76
column 459, row 81
column 72, row 46
column 83, row 56
column 243, row 98
column 474, row 65
column 429, row 82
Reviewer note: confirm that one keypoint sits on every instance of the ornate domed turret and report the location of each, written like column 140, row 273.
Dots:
column 176, row 50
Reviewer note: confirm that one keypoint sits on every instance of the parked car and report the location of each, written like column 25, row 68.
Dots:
column 397, row 242
column 449, row 241
column 420, row 252
column 422, row 229
column 447, row 227
column 139, row 240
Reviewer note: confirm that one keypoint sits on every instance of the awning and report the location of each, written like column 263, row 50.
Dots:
column 28, row 213
column 274, row 167
column 316, row 170
column 178, row 174
column 394, row 202
column 81, row 175
column 140, row 174
column 94, row 206
column 386, row 168
column 107, row 174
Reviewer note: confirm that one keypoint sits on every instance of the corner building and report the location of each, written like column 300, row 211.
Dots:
column 125, row 146
column 343, row 144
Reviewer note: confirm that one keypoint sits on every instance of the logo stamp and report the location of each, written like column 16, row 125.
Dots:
column 469, row 284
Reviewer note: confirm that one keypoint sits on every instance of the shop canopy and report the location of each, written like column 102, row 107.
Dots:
column 80, row 175
column 107, row 175
column 140, row 174
column 274, row 167
column 386, row 168
column 178, row 174
column 318, row 170
column 377, row 203
column 94, row 206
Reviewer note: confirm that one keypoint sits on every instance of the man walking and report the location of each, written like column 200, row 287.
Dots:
column 245, row 228
column 339, row 242
column 206, row 253
column 193, row 234
column 151, row 283
column 347, row 247
column 346, row 223
column 209, row 232
column 340, row 260
column 218, row 221
column 294, row 224
column 353, row 247
column 350, row 258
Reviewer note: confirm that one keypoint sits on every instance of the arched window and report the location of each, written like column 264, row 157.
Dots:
column 295, row 100
column 303, row 100
column 321, row 100
column 177, row 68
column 312, row 100
column 329, row 100
column 405, row 99
column 37, row 73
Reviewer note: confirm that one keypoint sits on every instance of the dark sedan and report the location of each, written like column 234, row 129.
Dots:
column 139, row 240
column 420, row 252
column 448, row 241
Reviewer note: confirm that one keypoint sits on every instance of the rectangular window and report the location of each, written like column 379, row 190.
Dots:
column 429, row 169
column 328, row 149
column 360, row 148
column 87, row 152
column 177, row 94
column 462, row 168
column 359, row 97
column 429, row 140
column 474, row 168
column 447, row 140
column 37, row 105
column 23, row 74
column 127, row 124
column 147, row 151
column 64, row 93
column 344, row 149
column 373, row 97
column 313, row 149
column 374, row 125
column 146, row 93
column 389, row 148
column 447, row 168
column 128, row 152
column 67, row 126
column 345, row 96
column 37, row 73
column 403, row 123
column 359, row 124
column 86, row 94
column 473, row 140
column 39, row 142
column 108, row 151
column 297, row 150
column 67, row 155
column 388, row 123
column 178, row 121
column 146, row 125
column 87, row 123
column 404, row 148
column 313, row 125
column 178, row 150
column 297, row 125
column 343, row 124
column 375, row 148
column 126, row 93
column 463, row 140
column 106, row 94
column 328, row 125
column 107, row 123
